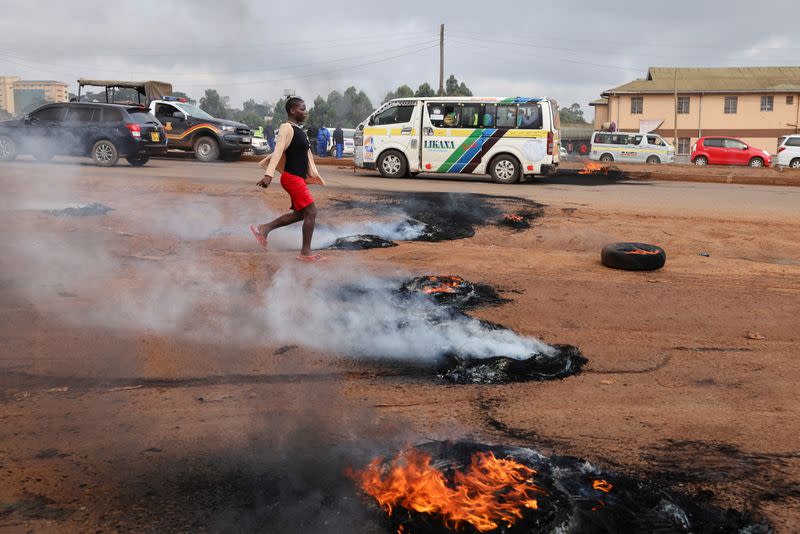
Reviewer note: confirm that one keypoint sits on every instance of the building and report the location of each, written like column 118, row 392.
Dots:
column 20, row 96
column 755, row 104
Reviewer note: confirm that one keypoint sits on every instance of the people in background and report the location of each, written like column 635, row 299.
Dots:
column 338, row 141
column 323, row 140
column 313, row 132
column 259, row 132
column 270, row 137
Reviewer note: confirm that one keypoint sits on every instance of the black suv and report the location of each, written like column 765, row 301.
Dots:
column 105, row 132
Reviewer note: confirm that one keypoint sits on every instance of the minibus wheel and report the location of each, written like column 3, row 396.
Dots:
column 606, row 158
column 505, row 170
column 392, row 164
column 653, row 160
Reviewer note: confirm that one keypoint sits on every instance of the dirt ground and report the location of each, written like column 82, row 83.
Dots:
column 137, row 396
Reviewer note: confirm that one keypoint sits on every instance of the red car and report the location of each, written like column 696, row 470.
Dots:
column 728, row 151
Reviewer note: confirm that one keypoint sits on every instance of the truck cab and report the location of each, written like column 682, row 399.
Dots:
column 191, row 129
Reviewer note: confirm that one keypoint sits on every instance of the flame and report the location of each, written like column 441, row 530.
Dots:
column 603, row 485
column 593, row 168
column 640, row 251
column 488, row 493
column 442, row 284
column 512, row 218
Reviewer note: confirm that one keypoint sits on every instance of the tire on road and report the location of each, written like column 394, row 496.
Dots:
column 206, row 149
column 607, row 158
column 8, row 148
column 701, row 161
column 104, row 153
column 794, row 164
column 138, row 161
column 653, row 160
column 633, row 256
column 505, row 169
column 392, row 164
column 756, row 162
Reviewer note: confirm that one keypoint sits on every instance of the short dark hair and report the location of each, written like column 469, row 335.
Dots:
column 292, row 102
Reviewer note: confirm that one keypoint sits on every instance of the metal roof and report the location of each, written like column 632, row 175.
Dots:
column 714, row 80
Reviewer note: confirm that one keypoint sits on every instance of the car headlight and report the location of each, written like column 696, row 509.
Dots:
column 228, row 129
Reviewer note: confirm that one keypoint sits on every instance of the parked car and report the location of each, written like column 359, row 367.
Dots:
column 259, row 146
column 789, row 152
column 631, row 147
column 349, row 145
column 104, row 132
column 728, row 151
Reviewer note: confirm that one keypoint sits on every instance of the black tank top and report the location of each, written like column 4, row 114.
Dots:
column 297, row 154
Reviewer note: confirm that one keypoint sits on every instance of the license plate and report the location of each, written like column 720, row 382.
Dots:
column 245, row 139
column 155, row 137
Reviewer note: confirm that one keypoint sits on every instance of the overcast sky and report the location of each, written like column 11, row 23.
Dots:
column 255, row 49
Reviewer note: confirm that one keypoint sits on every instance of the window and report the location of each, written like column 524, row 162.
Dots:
column 793, row 141
column 83, row 115
column 55, row 113
column 167, row 111
column 790, row 100
column 489, row 112
column 733, row 143
column 112, row 115
column 602, row 138
column 684, row 146
column 619, row 139
column 635, row 140
column 655, row 140
column 713, row 143
column 683, row 105
column 393, row 115
column 444, row 115
column 530, row 117
column 471, row 115
column 637, row 105
column 767, row 103
column 141, row 117
column 731, row 104
column 506, row 116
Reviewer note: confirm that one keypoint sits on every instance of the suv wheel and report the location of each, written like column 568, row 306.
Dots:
column 8, row 149
column 206, row 149
column 653, row 160
column 138, row 161
column 756, row 162
column 701, row 161
column 104, row 153
column 606, row 158
column 794, row 164
column 392, row 164
column 505, row 170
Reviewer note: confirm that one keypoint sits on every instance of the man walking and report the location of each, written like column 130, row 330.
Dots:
column 323, row 138
column 270, row 137
column 338, row 141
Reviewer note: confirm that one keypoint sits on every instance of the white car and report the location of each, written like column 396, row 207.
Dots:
column 349, row 146
column 562, row 153
column 789, row 152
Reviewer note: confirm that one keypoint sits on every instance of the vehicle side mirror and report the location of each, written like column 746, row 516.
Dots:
column 27, row 120
column 745, row 148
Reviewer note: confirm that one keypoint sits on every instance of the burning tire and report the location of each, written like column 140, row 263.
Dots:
column 392, row 164
column 505, row 170
column 633, row 256
column 8, row 149
column 104, row 153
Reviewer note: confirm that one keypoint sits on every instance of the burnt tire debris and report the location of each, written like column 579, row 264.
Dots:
column 453, row 291
column 633, row 256
column 570, row 495
column 564, row 362
column 81, row 210
column 361, row 242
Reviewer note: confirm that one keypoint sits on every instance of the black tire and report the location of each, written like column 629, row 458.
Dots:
column 701, row 161
column 8, row 148
column 505, row 170
column 392, row 164
column 104, row 153
column 232, row 156
column 607, row 158
column 206, row 149
column 138, row 161
column 794, row 164
column 633, row 256
column 756, row 162
column 653, row 160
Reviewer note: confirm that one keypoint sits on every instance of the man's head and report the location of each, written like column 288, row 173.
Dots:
column 296, row 109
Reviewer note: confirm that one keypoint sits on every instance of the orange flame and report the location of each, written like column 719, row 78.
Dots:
column 512, row 218
column 488, row 493
column 603, row 485
column 442, row 284
column 641, row 252
column 593, row 168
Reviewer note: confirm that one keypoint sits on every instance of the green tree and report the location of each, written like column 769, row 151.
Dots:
column 215, row 105
column 279, row 115
column 425, row 91
column 181, row 94
column 572, row 115
column 403, row 91
column 453, row 88
column 362, row 107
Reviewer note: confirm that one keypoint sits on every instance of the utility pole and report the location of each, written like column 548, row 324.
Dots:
column 675, row 139
column 441, row 60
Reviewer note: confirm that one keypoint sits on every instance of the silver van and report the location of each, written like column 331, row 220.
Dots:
column 631, row 147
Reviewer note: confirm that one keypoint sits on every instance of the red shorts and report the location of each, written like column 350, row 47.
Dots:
column 298, row 191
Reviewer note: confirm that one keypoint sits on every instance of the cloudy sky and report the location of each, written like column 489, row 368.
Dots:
column 569, row 50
